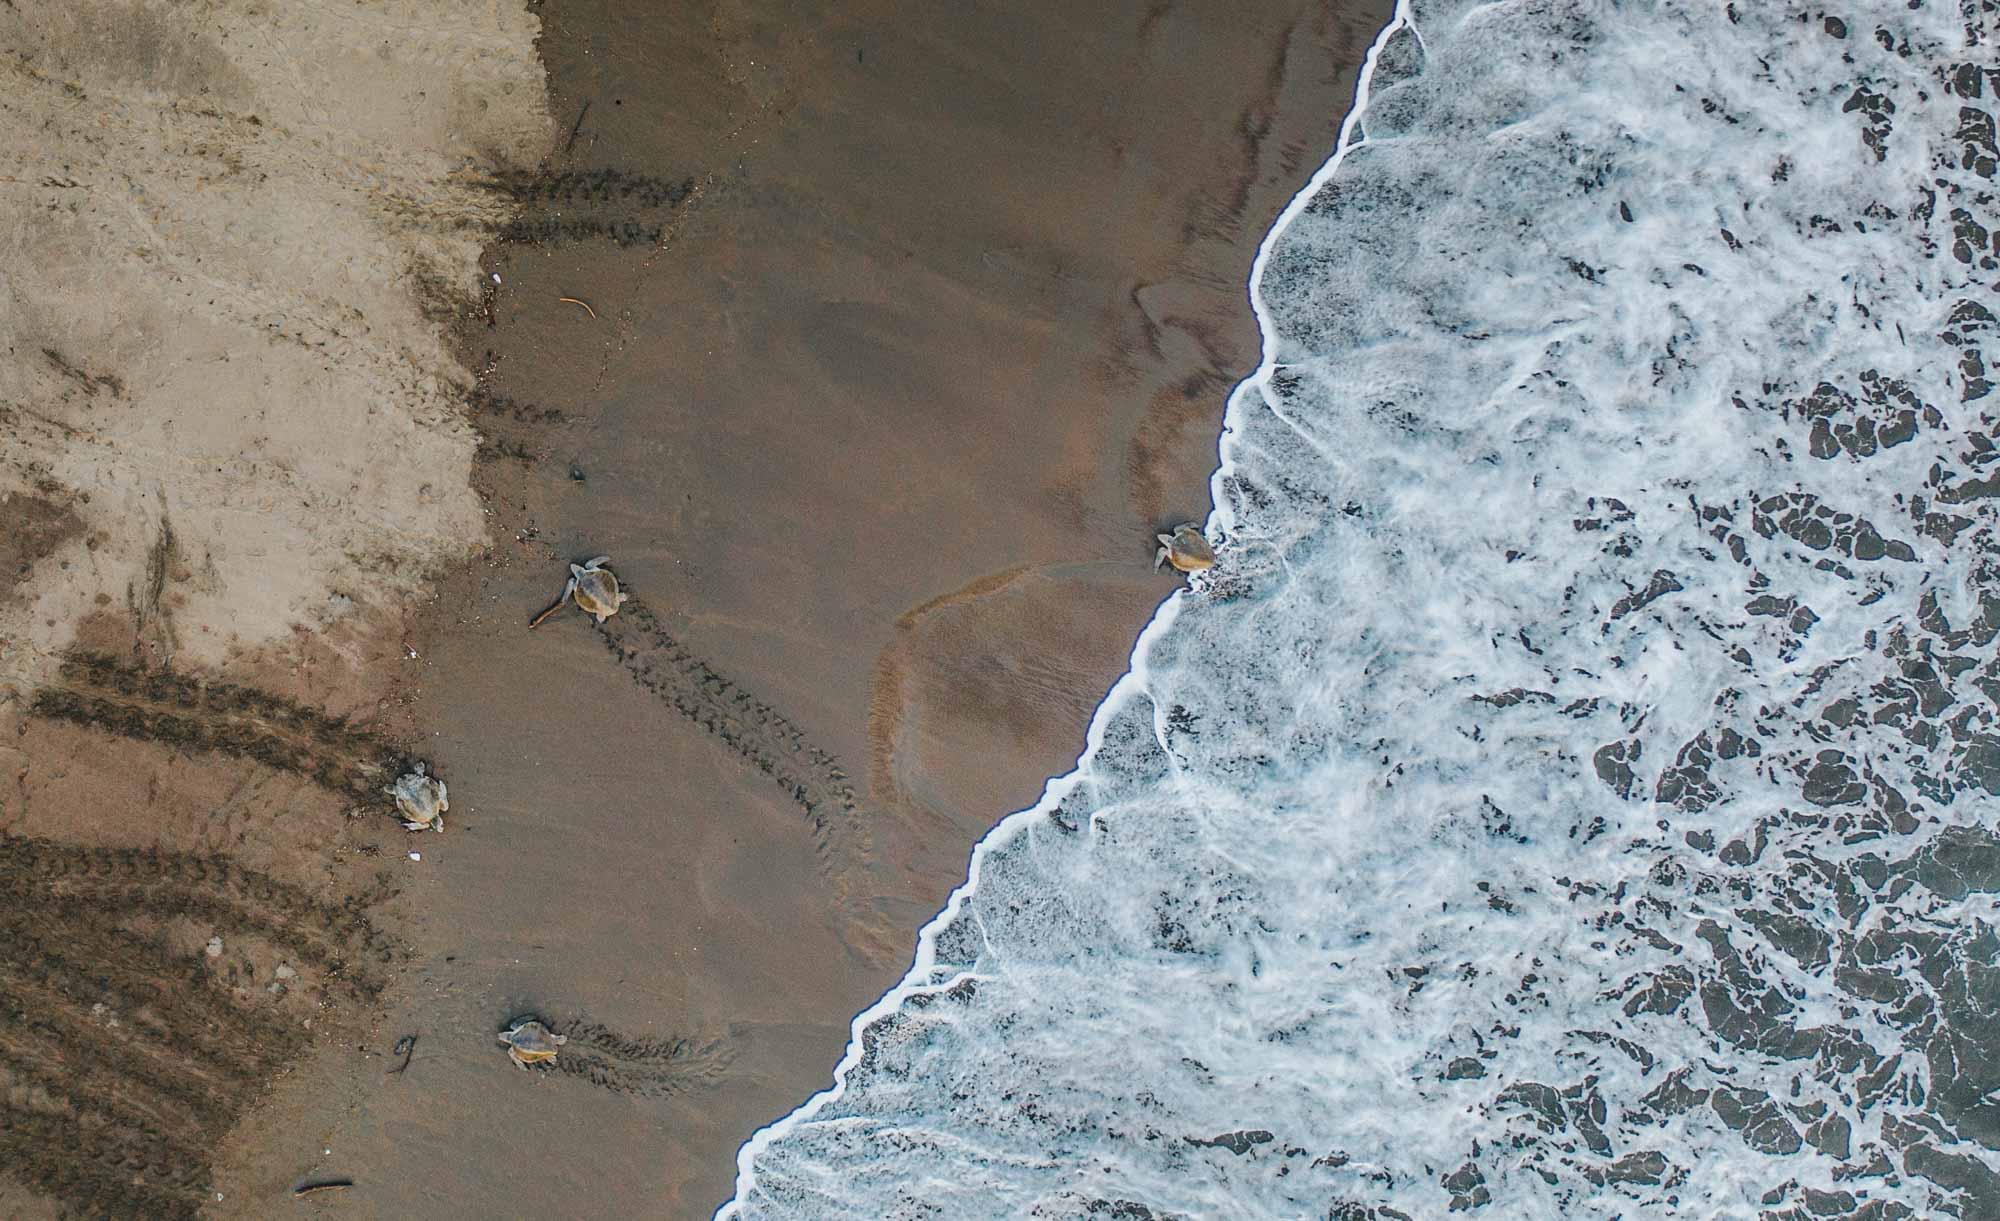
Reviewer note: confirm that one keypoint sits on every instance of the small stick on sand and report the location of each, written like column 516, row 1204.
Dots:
column 576, row 127
column 405, row 1047
column 553, row 608
column 582, row 302
column 300, row 1192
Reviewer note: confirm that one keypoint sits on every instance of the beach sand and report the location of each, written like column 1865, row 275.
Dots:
column 895, row 340
column 233, row 447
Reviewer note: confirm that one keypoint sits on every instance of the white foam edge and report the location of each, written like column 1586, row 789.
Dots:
column 1134, row 679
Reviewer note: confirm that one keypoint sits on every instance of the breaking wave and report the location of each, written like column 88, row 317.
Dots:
column 1571, row 794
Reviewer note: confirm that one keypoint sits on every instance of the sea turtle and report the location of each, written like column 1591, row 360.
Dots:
column 593, row 587
column 1185, row 549
column 420, row 799
column 530, row 1042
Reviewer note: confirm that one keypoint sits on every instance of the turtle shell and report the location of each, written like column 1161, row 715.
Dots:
column 597, row 591
column 420, row 798
column 533, row 1041
column 1189, row 551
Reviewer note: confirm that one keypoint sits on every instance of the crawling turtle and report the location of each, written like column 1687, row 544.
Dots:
column 420, row 799
column 530, row 1042
column 593, row 587
column 1185, row 549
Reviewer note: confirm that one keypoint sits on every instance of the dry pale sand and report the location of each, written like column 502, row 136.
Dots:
column 227, row 413
column 899, row 332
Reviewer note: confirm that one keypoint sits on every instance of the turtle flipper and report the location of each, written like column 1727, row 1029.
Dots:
column 556, row 605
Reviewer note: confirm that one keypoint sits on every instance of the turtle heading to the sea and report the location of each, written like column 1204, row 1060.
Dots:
column 530, row 1042
column 593, row 587
column 1185, row 549
column 420, row 799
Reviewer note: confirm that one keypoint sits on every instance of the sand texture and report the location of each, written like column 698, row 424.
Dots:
column 232, row 444
column 228, row 406
column 895, row 335
column 910, row 331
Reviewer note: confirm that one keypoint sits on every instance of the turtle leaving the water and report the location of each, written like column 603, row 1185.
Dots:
column 420, row 799
column 1185, row 549
column 593, row 587
column 530, row 1042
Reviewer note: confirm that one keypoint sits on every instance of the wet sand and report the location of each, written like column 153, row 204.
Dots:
column 896, row 339
column 879, row 438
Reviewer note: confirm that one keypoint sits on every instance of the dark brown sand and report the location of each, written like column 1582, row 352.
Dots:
column 877, row 422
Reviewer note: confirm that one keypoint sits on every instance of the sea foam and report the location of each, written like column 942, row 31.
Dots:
column 1571, row 794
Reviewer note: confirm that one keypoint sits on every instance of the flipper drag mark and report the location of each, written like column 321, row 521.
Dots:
column 126, row 1057
column 178, row 711
column 758, row 733
column 649, row 1068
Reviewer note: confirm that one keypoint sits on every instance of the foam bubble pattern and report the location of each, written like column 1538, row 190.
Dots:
column 1572, row 793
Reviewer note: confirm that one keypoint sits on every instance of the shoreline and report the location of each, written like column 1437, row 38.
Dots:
column 967, row 666
column 922, row 976
column 876, row 427
column 753, row 568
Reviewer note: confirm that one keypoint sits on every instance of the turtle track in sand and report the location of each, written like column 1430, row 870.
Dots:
column 174, row 710
column 41, row 878
column 648, row 1068
column 548, row 208
column 123, row 1060
column 758, row 733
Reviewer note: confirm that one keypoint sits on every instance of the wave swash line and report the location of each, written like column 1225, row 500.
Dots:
column 1572, row 793
column 919, row 980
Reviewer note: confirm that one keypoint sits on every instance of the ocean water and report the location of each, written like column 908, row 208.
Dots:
column 1573, row 794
